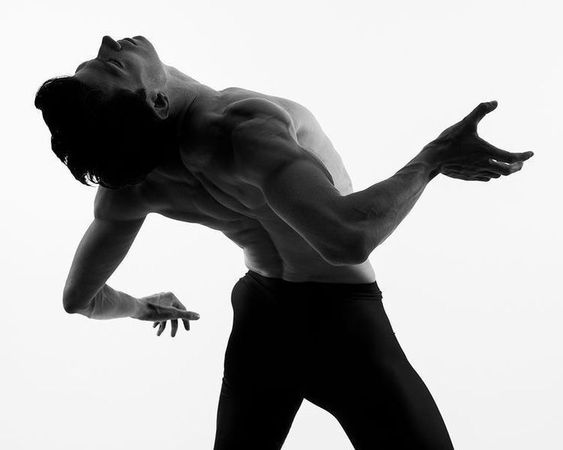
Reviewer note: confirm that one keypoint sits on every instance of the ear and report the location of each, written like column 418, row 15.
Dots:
column 159, row 103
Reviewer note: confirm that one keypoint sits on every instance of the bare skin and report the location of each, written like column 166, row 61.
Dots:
column 260, row 169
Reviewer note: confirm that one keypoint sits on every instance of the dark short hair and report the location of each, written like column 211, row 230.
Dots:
column 112, row 141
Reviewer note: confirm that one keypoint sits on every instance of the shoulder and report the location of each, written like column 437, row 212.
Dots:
column 253, row 111
column 120, row 204
column 263, row 138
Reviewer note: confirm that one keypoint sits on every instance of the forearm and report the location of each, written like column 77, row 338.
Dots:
column 109, row 303
column 378, row 210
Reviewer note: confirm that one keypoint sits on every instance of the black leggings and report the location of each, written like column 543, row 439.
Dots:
column 332, row 344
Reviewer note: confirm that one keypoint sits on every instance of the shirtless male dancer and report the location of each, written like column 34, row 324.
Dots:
column 308, row 315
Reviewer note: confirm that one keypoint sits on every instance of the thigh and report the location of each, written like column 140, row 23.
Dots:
column 254, row 419
column 260, row 394
column 360, row 374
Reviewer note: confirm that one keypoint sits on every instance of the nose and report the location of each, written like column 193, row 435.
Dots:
column 109, row 42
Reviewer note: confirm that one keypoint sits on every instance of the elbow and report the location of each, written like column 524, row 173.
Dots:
column 69, row 302
column 348, row 251
column 72, row 304
column 76, row 308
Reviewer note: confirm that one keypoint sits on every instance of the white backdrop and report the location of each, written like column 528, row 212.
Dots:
column 470, row 279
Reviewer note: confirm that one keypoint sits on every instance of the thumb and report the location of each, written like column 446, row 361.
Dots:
column 475, row 116
column 183, row 314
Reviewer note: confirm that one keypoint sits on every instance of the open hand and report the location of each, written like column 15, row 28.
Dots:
column 162, row 307
column 460, row 153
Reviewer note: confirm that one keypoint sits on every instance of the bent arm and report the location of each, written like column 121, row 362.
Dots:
column 378, row 210
column 101, row 250
column 343, row 229
column 117, row 221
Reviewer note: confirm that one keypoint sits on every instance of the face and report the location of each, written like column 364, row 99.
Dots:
column 129, row 63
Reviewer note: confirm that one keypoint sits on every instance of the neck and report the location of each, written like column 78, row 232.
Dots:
column 184, row 94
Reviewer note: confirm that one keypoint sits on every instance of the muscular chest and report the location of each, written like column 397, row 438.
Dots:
column 205, row 186
column 210, row 164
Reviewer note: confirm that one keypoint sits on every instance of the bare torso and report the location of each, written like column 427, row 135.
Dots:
column 201, row 187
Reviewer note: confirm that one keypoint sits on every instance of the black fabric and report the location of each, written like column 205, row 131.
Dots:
column 331, row 344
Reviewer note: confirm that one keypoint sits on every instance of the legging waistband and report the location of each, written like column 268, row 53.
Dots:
column 324, row 288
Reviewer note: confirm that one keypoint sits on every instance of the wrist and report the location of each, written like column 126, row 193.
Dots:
column 136, row 308
column 429, row 159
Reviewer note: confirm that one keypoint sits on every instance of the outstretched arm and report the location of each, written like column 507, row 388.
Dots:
column 345, row 229
column 458, row 152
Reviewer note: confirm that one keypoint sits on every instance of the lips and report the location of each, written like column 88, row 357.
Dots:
column 129, row 40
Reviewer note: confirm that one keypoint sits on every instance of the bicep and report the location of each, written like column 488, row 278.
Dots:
column 300, row 194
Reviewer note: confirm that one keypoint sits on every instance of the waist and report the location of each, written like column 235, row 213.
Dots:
column 280, row 285
column 306, row 268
